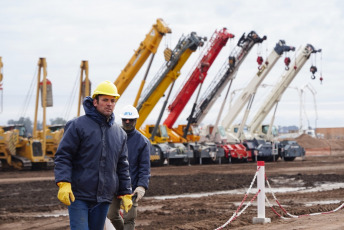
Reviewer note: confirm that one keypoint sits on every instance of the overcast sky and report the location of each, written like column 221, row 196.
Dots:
column 106, row 33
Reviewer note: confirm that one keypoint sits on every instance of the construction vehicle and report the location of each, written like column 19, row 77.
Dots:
column 8, row 141
column 166, row 76
column 224, row 77
column 287, row 150
column 263, row 151
column 148, row 46
column 196, row 78
column 32, row 150
column 20, row 150
column 54, row 133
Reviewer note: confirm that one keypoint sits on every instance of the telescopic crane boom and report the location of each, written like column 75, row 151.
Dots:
column 165, row 77
column 252, row 86
column 167, row 74
column 287, row 149
column 276, row 93
column 247, row 95
column 196, row 77
column 226, row 74
column 148, row 46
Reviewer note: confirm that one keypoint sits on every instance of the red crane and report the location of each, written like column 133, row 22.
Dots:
column 216, row 43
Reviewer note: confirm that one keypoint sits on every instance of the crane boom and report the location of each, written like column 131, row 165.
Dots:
column 147, row 46
column 278, row 90
column 252, row 86
column 167, row 74
column 225, row 74
column 196, row 77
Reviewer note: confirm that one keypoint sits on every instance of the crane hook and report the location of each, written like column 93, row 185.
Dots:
column 287, row 62
column 260, row 61
column 313, row 71
column 321, row 79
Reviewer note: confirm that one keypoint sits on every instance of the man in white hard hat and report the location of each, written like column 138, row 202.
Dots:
column 139, row 163
column 91, row 162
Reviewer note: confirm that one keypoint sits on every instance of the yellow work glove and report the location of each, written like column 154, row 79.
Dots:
column 127, row 203
column 65, row 194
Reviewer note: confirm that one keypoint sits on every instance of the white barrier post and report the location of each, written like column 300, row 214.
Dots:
column 261, row 195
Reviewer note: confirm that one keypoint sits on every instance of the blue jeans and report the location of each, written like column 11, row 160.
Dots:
column 86, row 215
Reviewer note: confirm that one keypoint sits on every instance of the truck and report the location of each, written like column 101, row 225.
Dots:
column 224, row 77
column 194, row 79
column 165, row 77
column 246, row 98
column 287, row 149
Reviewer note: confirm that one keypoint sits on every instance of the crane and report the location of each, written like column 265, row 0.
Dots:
column 148, row 46
column 30, row 152
column 276, row 93
column 166, row 77
column 287, row 149
column 225, row 75
column 194, row 79
column 247, row 95
column 308, row 130
column 197, row 76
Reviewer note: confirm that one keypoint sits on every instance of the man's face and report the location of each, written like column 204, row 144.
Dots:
column 105, row 104
column 128, row 124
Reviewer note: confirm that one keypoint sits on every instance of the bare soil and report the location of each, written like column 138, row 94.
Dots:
column 28, row 199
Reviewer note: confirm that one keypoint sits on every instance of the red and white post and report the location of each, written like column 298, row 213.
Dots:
column 261, row 195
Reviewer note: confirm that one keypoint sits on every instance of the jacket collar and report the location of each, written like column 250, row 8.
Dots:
column 93, row 113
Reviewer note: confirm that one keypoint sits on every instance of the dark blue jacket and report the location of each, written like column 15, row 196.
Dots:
column 92, row 156
column 139, row 159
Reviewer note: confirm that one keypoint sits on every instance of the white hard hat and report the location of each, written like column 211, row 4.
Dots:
column 129, row 112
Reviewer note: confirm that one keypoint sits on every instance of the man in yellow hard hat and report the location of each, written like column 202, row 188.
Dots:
column 91, row 162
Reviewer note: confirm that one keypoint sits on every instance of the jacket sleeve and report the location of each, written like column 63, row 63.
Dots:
column 64, row 154
column 123, row 171
column 144, row 170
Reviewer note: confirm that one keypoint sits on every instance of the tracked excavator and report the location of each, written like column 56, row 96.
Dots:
column 287, row 149
column 262, row 149
column 175, row 153
column 225, row 76
column 196, row 78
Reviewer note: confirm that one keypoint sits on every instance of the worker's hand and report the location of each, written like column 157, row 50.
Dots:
column 65, row 194
column 127, row 203
column 140, row 191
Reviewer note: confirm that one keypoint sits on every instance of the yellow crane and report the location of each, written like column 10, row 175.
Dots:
column 165, row 78
column 147, row 47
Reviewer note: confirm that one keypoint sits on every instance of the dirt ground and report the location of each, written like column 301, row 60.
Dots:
column 209, row 195
column 202, row 196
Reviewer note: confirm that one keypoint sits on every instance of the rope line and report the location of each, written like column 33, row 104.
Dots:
column 291, row 215
column 236, row 214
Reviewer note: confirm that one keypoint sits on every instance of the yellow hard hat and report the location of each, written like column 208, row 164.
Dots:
column 106, row 88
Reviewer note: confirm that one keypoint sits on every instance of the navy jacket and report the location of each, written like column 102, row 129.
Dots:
column 92, row 156
column 139, row 159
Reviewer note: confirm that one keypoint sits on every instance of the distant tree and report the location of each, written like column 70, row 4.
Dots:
column 58, row 121
column 23, row 121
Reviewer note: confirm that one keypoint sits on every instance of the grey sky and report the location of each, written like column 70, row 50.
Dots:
column 106, row 33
